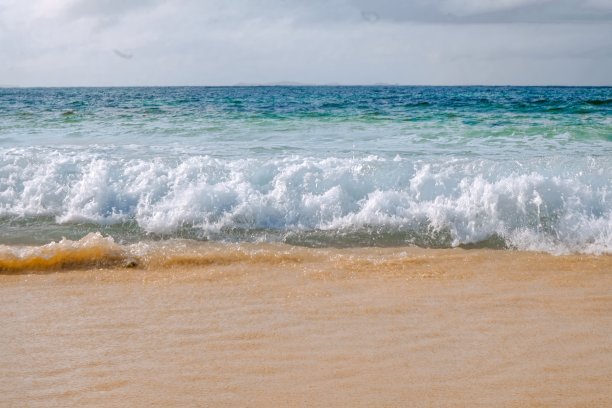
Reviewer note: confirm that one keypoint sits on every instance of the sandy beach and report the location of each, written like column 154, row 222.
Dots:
column 275, row 325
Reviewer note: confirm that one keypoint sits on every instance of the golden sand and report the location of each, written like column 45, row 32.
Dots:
column 273, row 325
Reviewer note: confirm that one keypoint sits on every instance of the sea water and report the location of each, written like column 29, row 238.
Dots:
column 527, row 168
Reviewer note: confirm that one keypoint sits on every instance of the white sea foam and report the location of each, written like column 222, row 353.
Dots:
column 549, row 204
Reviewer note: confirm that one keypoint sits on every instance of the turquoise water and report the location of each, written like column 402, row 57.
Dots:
column 506, row 167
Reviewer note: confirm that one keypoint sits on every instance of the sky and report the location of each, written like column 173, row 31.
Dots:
column 222, row 42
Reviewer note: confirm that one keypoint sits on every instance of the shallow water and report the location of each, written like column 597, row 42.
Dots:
column 501, row 167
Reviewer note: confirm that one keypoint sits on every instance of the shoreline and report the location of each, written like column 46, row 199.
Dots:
column 95, row 251
column 265, row 326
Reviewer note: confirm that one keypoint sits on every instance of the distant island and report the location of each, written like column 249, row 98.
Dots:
column 290, row 83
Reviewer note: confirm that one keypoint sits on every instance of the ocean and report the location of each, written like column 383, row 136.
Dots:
column 517, row 168
column 320, row 246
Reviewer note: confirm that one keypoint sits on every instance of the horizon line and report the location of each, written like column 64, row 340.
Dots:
column 298, row 85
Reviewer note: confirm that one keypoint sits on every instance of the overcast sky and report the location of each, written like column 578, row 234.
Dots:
column 225, row 42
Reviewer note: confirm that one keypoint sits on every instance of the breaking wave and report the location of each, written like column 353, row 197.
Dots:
column 91, row 251
column 97, row 251
column 550, row 204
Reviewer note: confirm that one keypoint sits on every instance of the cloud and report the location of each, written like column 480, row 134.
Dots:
column 345, row 11
column 489, row 11
column 215, row 42
column 107, row 8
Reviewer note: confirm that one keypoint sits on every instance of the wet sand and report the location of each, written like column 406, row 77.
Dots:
column 271, row 325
